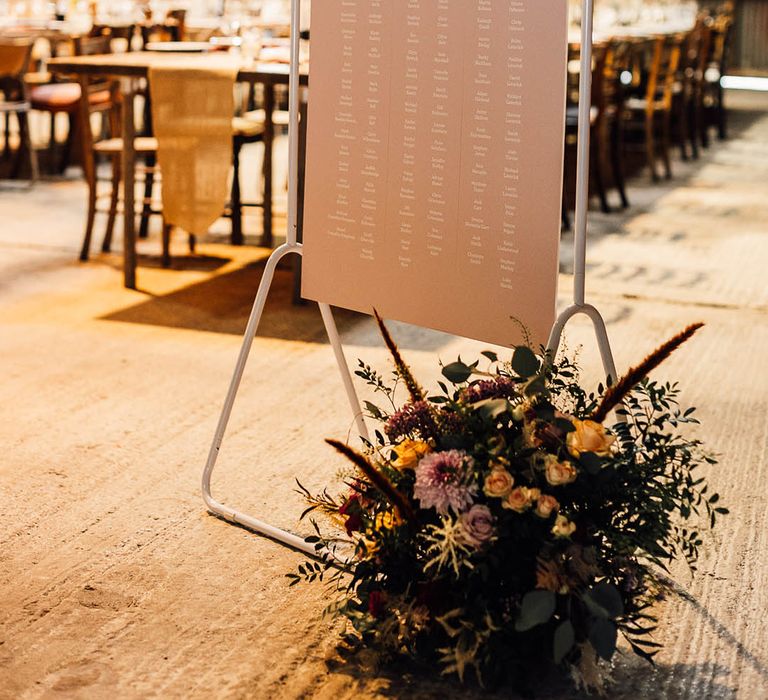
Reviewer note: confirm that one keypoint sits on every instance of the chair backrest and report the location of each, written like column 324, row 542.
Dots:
column 722, row 32
column 617, row 74
column 97, row 95
column 600, row 54
column 663, row 69
column 170, row 29
column 14, row 62
column 14, row 58
column 179, row 17
column 120, row 32
column 93, row 45
column 694, row 52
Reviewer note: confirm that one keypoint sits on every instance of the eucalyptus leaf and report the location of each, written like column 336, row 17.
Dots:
column 524, row 361
column 563, row 640
column 457, row 372
column 609, row 598
column 374, row 410
column 602, row 636
column 604, row 601
column 536, row 609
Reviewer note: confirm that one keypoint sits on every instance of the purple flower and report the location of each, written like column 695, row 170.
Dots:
column 410, row 419
column 478, row 525
column 498, row 388
column 441, row 481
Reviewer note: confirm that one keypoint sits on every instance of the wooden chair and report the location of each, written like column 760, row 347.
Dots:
column 651, row 113
column 14, row 62
column 170, row 29
column 617, row 71
column 245, row 129
column 606, row 113
column 37, row 74
column 117, row 33
column 106, row 144
column 712, row 104
column 687, row 99
column 64, row 98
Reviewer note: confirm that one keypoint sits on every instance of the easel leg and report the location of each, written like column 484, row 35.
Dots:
column 601, row 334
column 213, row 505
column 582, row 191
column 346, row 377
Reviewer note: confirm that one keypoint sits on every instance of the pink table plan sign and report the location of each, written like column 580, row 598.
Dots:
column 434, row 162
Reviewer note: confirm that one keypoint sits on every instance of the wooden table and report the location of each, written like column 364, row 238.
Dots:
column 130, row 67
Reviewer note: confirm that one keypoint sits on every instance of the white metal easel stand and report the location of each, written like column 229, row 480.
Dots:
column 579, row 306
column 290, row 246
column 293, row 246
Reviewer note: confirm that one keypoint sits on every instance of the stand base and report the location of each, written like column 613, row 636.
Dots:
column 230, row 514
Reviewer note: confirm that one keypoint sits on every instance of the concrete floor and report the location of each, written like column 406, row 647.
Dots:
column 114, row 582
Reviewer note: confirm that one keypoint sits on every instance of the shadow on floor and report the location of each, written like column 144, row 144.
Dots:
column 632, row 678
column 222, row 304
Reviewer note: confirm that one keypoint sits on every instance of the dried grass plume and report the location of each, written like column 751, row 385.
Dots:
column 616, row 393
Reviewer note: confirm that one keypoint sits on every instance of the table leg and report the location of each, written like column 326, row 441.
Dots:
column 269, row 137
column 128, row 89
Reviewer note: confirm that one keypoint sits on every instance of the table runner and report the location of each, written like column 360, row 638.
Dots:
column 192, row 110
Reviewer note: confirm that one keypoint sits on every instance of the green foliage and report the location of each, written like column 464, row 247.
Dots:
column 536, row 608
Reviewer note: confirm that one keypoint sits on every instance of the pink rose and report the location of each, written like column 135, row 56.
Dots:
column 478, row 525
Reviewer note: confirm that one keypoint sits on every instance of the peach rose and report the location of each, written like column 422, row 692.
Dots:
column 563, row 527
column 519, row 499
column 557, row 472
column 498, row 483
column 589, row 436
column 546, row 505
column 409, row 452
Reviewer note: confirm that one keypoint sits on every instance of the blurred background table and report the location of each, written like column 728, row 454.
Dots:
column 135, row 65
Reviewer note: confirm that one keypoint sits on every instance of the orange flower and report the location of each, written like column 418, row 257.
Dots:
column 589, row 436
column 409, row 452
column 387, row 521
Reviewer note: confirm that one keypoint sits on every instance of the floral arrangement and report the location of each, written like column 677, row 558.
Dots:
column 500, row 526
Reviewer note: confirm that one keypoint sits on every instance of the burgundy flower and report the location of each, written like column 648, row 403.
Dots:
column 351, row 511
column 497, row 388
column 376, row 601
column 413, row 418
